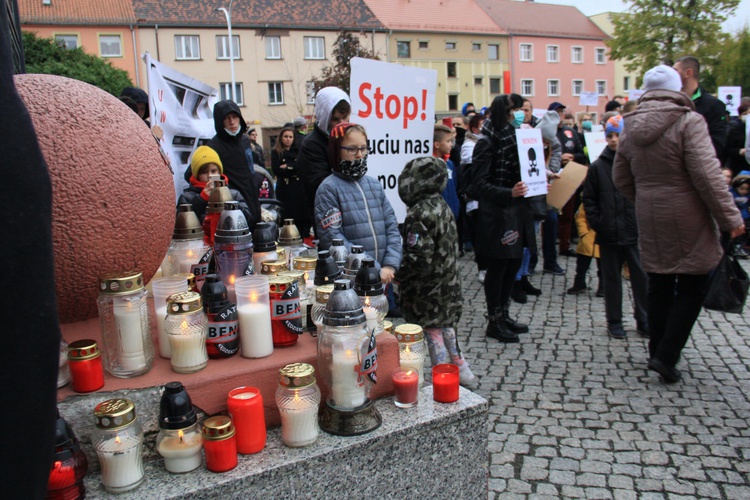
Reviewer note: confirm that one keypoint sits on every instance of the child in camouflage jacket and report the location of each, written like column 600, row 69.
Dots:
column 430, row 287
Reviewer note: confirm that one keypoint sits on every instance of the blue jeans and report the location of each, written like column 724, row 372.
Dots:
column 524, row 269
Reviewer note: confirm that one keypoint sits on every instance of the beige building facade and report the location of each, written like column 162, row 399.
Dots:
column 624, row 79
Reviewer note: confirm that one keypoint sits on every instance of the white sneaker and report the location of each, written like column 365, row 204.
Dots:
column 466, row 377
column 482, row 275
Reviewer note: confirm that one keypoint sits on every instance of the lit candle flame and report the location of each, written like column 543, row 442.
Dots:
column 408, row 374
column 179, row 433
column 117, row 440
column 184, row 325
column 232, row 279
column 253, row 297
column 407, row 349
column 367, row 301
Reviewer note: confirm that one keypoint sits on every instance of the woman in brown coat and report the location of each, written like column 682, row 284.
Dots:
column 666, row 165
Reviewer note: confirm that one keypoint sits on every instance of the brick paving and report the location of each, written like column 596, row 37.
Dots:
column 576, row 414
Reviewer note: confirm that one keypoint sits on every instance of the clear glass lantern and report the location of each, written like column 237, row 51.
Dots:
column 412, row 348
column 188, row 253
column 118, row 442
column 233, row 246
column 322, row 294
column 298, row 400
column 354, row 262
column 179, row 441
column 369, row 288
column 126, row 332
column 290, row 239
column 187, row 329
column 339, row 252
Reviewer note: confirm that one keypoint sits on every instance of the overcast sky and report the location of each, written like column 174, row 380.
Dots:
column 591, row 7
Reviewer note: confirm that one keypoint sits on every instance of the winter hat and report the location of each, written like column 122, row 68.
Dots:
column 548, row 125
column 662, row 77
column 299, row 122
column 203, row 156
column 555, row 106
column 614, row 124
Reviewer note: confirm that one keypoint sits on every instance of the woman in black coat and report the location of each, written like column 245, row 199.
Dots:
column 735, row 149
column 506, row 224
column 289, row 188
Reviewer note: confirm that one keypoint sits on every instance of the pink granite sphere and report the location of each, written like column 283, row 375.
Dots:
column 113, row 203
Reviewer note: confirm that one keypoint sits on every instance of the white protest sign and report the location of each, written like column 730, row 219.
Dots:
column 731, row 97
column 531, row 158
column 538, row 112
column 396, row 105
column 635, row 94
column 595, row 143
column 589, row 99
column 597, row 128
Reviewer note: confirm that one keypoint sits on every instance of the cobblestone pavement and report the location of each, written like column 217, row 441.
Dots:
column 576, row 414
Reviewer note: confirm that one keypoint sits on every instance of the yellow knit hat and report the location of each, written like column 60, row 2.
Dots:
column 203, row 156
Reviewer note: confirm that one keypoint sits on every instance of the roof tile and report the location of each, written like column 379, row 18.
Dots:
column 76, row 12
column 454, row 16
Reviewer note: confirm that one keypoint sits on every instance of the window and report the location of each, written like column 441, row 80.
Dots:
column 187, row 47
column 577, row 87
column 477, row 80
column 110, row 45
column 527, row 88
column 451, row 70
column 601, row 87
column 315, row 47
column 494, row 85
column 403, row 49
column 424, row 44
column 222, row 47
column 225, row 90
column 493, row 51
column 526, row 52
column 553, row 88
column 273, row 47
column 553, row 55
column 452, row 103
column 450, row 45
column 576, row 55
column 69, row 42
column 626, row 83
column 476, row 46
column 600, row 53
column 275, row 93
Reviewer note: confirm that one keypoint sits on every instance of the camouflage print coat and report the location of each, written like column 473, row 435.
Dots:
column 430, row 288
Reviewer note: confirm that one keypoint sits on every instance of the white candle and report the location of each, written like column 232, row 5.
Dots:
column 299, row 423
column 347, row 389
column 372, row 319
column 165, row 350
column 129, row 324
column 256, row 337
column 182, row 453
column 122, row 463
column 188, row 350
column 414, row 361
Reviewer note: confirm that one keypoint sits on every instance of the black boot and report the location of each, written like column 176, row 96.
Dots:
column 517, row 293
column 513, row 325
column 529, row 288
column 498, row 330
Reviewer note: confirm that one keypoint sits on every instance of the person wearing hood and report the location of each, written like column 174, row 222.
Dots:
column 430, row 285
column 332, row 106
column 467, row 109
column 140, row 97
column 352, row 206
column 232, row 146
column 667, row 166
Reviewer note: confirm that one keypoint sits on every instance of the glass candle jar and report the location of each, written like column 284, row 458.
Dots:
column 187, row 328
column 264, row 244
column 369, row 288
column 179, row 440
column 163, row 288
column 290, row 239
column 354, row 262
column 306, row 264
column 219, row 443
column 298, row 399
column 405, row 387
column 273, row 267
column 445, row 383
column 286, row 322
column 254, row 316
column 63, row 370
column 126, row 333
column 233, row 246
column 118, row 441
column 69, row 465
column 188, row 253
column 220, row 194
column 304, row 296
column 85, row 363
column 322, row 294
column 223, row 328
column 245, row 406
column 339, row 252
column 412, row 348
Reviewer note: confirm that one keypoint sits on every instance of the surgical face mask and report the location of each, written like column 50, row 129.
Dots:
column 233, row 134
column 518, row 118
column 353, row 170
column 587, row 125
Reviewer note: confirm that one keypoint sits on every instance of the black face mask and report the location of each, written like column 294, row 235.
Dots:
column 353, row 170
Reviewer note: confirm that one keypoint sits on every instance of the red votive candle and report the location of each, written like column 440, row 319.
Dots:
column 405, row 387
column 220, row 444
column 245, row 405
column 85, row 361
column 445, row 383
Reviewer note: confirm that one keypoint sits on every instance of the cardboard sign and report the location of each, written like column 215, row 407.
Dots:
column 635, row 94
column 531, row 158
column 595, row 144
column 589, row 99
column 396, row 105
column 731, row 97
column 562, row 189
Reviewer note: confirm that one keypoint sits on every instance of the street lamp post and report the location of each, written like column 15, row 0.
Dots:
column 228, row 16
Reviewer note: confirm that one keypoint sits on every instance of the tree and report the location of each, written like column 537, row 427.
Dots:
column 660, row 31
column 346, row 46
column 733, row 67
column 44, row 55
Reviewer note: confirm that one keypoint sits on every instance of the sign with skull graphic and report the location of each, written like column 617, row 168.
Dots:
column 531, row 158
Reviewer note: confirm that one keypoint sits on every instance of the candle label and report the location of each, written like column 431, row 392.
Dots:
column 200, row 270
column 286, row 309
column 223, row 340
column 369, row 365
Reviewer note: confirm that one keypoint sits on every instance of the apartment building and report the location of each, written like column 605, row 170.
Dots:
column 624, row 80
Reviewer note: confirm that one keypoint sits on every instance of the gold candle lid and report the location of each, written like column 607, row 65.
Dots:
column 297, row 375
column 124, row 282
column 184, row 303
column 323, row 293
column 299, row 276
column 278, row 284
column 388, row 326
column 190, row 277
column 304, row 263
column 81, row 350
column 217, row 428
column 281, row 252
column 114, row 414
column 289, row 234
column 273, row 267
column 409, row 333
